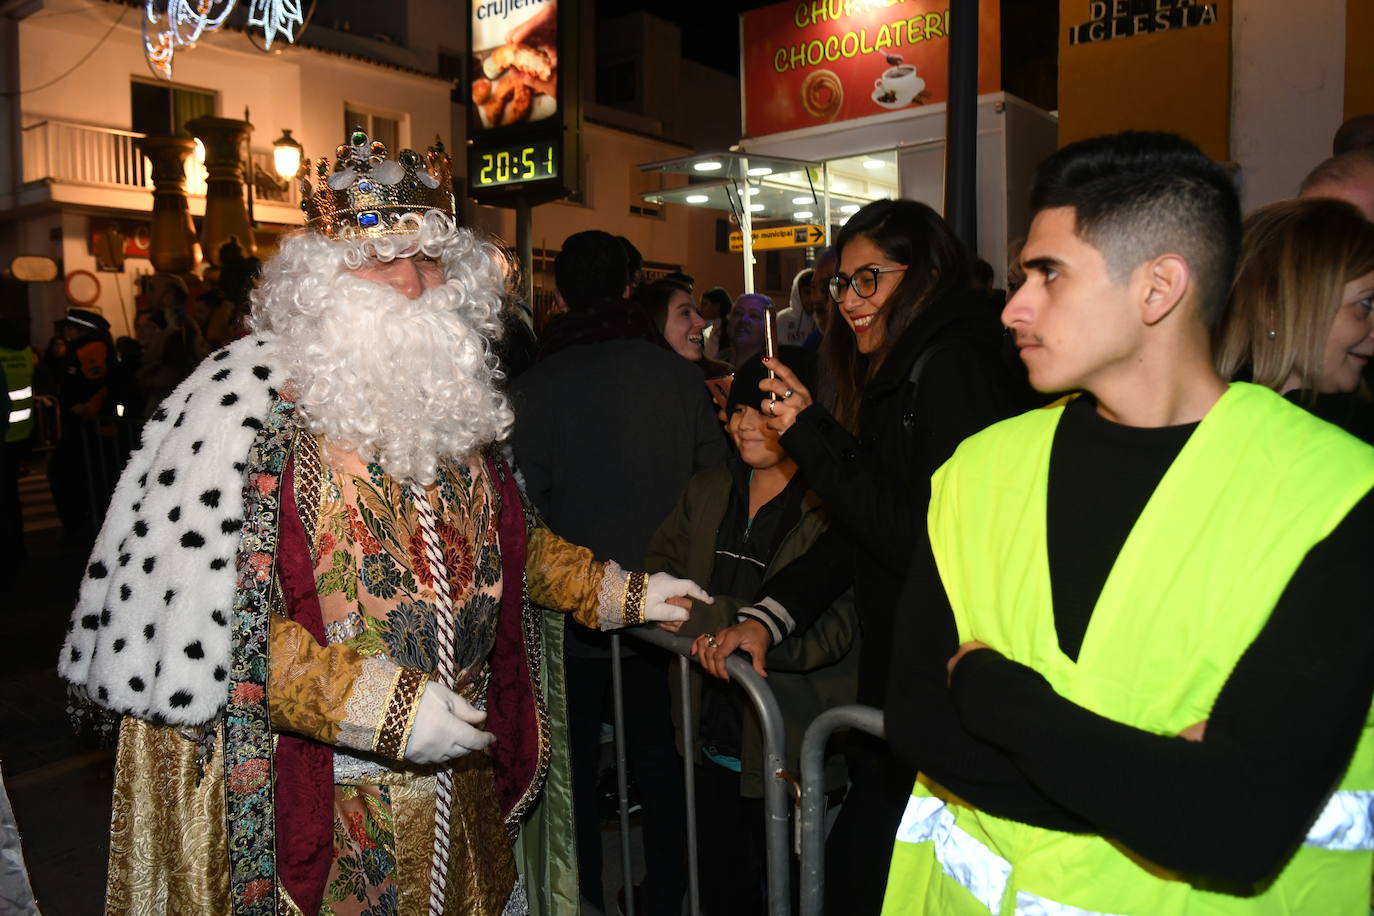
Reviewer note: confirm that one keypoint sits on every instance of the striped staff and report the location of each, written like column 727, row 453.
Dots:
column 443, row 783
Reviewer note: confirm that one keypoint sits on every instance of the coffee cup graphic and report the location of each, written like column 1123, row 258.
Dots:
column 898, row 86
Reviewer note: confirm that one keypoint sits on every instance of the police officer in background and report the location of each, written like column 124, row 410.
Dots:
column 81, row 474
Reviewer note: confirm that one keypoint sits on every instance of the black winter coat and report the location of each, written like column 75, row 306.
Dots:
column 607, row 434
column 876, row 486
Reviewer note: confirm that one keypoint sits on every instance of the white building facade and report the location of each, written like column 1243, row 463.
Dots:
column 75, row 82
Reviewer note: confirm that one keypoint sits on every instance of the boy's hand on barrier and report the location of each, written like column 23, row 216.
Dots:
column 714, row 648
column 672, row 626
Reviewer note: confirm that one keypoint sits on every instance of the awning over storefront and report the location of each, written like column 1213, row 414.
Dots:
column 757, row 188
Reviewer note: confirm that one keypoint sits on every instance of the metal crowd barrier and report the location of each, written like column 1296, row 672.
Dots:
column 105, row 446
column 812, row 817
column 777, row 786
column 47, row 421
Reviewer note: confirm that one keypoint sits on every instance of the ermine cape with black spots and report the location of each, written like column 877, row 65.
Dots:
column 150, row 636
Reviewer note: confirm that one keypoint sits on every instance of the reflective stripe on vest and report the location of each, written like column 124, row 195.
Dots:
column 1028, row 904
column 20, row 399
column 977, row 869
column 981, row 872
column 1346, row 823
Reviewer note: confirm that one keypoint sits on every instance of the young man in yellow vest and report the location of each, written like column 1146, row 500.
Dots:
column 1152, row 695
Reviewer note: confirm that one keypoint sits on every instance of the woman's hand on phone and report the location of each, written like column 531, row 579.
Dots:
column 793, row 397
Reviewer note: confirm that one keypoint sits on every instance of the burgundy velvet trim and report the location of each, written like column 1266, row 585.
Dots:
column 510, row 694
column 303, row 769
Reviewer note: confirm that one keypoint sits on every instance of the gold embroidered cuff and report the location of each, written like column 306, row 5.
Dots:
column 610, row 597
column 401, row 710
column 636, row 586
column 620, row 600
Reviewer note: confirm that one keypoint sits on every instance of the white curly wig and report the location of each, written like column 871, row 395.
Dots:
column 405, row 382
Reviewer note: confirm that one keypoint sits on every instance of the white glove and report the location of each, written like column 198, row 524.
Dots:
column 445, row 727
column 661, row 587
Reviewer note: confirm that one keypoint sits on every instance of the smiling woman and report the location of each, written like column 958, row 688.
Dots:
column 912, row 366
column 1301, row 315
column 670, row 305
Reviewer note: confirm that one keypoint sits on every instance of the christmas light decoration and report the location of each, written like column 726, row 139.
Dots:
column 182, row 23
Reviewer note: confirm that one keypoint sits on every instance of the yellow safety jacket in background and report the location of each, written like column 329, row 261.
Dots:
column 1258, row 483
column 18, row 366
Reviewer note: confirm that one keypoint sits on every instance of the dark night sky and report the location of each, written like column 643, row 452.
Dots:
column 710, row 28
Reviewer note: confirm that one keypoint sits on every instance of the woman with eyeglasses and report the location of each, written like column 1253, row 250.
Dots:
column 911, row 366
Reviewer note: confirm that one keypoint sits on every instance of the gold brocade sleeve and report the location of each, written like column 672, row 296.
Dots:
column 566, row 577
column 337, row 695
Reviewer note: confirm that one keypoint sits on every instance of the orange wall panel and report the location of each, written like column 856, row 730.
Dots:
column 1146, row 65
column 1359, row 64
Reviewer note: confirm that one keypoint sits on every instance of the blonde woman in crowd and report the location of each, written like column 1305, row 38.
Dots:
column 1299, row 319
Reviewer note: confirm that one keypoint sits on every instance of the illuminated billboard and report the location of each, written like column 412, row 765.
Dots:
column 813, row 62
column 514, row 62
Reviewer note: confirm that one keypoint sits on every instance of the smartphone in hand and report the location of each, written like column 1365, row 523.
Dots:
column 770, row 342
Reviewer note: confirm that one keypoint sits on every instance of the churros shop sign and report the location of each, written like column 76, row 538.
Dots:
column 811, row 62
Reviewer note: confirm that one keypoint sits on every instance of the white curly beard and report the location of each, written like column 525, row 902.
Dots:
column 405, row 382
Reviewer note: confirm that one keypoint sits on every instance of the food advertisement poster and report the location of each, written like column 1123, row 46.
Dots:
column 514, row 61
column 813, row 62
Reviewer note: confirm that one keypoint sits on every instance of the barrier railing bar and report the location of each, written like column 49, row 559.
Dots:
column 49, row 421
column 776, row 793
column 689, row 783
column 621, row 777
column 814, row 740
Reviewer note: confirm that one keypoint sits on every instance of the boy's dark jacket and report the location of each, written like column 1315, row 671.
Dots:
column 808, row 674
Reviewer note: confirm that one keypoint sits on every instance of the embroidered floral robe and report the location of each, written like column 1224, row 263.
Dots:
column 359, row 692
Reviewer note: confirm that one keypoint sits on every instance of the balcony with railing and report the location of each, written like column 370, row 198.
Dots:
column 81, row 164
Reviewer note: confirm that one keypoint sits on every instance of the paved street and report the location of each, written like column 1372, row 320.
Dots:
column 60, row 788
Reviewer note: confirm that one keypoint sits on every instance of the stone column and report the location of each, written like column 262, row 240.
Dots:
column 173, row 248
column 226, row 210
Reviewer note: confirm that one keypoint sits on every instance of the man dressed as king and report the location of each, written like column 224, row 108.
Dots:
column 311, row 612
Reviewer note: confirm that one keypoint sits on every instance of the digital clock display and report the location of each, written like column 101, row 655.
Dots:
column 514, row 164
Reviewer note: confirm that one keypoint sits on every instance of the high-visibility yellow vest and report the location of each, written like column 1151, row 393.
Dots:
column 18, row 366
column 1258, row 483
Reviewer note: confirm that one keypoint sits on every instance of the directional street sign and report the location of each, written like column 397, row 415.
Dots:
column 807, row 236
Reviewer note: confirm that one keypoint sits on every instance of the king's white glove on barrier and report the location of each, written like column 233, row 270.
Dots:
column 660, row 588
column 445, row 727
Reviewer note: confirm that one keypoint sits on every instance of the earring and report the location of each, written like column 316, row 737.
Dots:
column 1272, row 334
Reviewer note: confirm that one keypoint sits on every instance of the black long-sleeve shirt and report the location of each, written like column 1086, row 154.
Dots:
column 1232, row 807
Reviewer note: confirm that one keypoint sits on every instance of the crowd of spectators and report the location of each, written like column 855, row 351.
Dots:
column 794, row 489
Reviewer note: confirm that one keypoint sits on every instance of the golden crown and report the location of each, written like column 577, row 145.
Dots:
column 367, row 194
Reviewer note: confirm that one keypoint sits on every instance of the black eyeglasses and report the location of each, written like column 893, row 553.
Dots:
column 864, row 282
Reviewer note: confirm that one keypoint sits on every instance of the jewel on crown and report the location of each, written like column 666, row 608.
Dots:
column 368, row 193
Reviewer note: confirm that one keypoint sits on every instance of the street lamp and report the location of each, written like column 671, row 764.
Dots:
column 286, row 155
